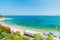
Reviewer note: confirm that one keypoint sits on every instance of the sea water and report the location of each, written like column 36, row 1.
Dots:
column 47, row 23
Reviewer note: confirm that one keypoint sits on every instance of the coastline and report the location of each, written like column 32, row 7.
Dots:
column 21, row 30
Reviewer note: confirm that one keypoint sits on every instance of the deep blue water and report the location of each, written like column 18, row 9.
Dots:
column 35, row 21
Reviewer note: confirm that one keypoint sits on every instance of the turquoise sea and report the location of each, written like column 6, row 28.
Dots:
column 47, row 23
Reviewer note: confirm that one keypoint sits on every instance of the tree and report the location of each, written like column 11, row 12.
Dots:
column 8, row 38
column 1, row 31
column 37, row 36
column 1, row 16
column 50, row 37
column 26, row 38
column 1, row 27
column 14, row 36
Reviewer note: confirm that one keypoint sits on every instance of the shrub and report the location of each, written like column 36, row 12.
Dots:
column 37, row 36
column 26, row 38
column 50, row 37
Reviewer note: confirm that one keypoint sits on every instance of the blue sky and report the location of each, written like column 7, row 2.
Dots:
column 30, row 7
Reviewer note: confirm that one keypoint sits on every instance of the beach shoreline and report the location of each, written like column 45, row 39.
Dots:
column 21, row 29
